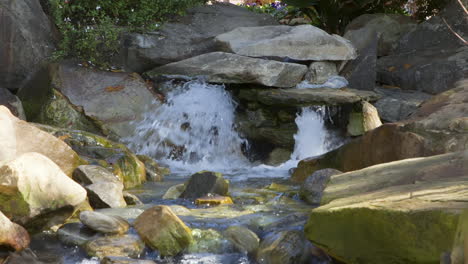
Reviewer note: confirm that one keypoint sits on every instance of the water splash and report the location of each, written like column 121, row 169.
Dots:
column 193, row 130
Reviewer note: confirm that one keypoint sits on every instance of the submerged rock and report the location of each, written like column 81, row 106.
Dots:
column 103, row 223
column 75, row 234
column 36, row 193
column 162, row 230
column 285, row 247
column 12, row 236
column 312, row 189
column 209, row 241
column 243, row 239
column 118, row 246
column 124, row 260
column 211, row 200
column 220, row 67
column 204, row 183
column 304, row 42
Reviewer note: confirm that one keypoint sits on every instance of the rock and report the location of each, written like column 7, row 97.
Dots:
column 425, row 196
column 127, row 213
column 20, row 137
column 204, row 183
column 174, row 192
column 361, row 73
column 12, row 103
column 213, row 200
column 208, row 241
column 459, row 253
column 124, row 260
column 26, row 256
column 100, row 150
column 26, row 39
column 390, row 28
column 396, row 104
column 304, row 42
column 285, row 247
column 312, row 189
column 131, row 199
column 96, row 100
column 106, row 195
column 12, row 236
column 320, row 71
column 89, row 174
column 366, row 119
column 117, row 246
column 75, row 234
column 220, row 67
column 278, row 156
column 34, row 191
column 103, row 223
column 243, row 239
column 162, row 230
column 309, row 97
column 190, row 36
column 154, row 172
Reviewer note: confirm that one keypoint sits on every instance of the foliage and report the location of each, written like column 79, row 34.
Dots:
column 91, row 28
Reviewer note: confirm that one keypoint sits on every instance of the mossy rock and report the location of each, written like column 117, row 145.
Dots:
column 362, row 235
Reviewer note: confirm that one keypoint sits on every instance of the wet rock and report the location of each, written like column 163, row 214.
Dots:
column 284, row 247
column 118, row 246
column 36, row 193
column 154, row 172
column 189, row 36
column 209, row 241
column 365, row 119
column 243, row 239
column 123, row 260
column 397, row 105
column 320, row 71
column 312, row 189
column 12, row 102
column 12, row 236
column 278, row 156
column 131, row 199
column 304, row 42
column 174, row 192
column 19, row 137
column 212, row 200
column 89, row 174
column 162, row 230
column 26, row 39
column 390, row 28
column 75, row 234
column 459, row 254
column 422, row 195
column 98, row 97
column 103, row 223
column 26, row 256
column 221, row 67
column 128, row 213
column 106, row 195
column 205, row 182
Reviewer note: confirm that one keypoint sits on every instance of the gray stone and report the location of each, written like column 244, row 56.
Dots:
column 89, row 174
column 320, row 71
column 189, row 36
column 285, row 247
column 75, row 234
column 365, row 119
column 396, row 104
column 304, row 42
column 131, row 199
column 220, row 67
column 389, row 27
column 205, row 182
column 209, row 241
column 118, row 246
column 12, row 102
column 103, row 223
column 26, row 39
column 124, row 260
column 243, row 239
column 106, row 195
column 174, row 192
column 312, row 189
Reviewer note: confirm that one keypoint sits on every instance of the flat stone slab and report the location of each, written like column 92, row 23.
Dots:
column 318, row 96
column 303, row 43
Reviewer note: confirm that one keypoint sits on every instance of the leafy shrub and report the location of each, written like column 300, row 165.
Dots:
column 91, row 28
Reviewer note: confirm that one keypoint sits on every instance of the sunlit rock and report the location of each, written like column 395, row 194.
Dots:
column 103, row 223
column 365, row 119
column 118, row 246
column 212, row 200
column 12, row 236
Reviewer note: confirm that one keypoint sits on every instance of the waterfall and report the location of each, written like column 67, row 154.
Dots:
column 193, row 130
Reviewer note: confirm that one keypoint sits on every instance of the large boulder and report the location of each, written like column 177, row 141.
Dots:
column 12, row 236
column 304, row 42
column 26, row 39
column 34, row 190
column 424, row 196
column 75, row 97
column 389, row 27
column 12, row 102
column 220, row 67
column 205, row 183
column 162, row 230
column 431, row 57
column 189, row 36
column 19, row 137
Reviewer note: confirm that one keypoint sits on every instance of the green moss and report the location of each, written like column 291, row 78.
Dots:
column 364, row 235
